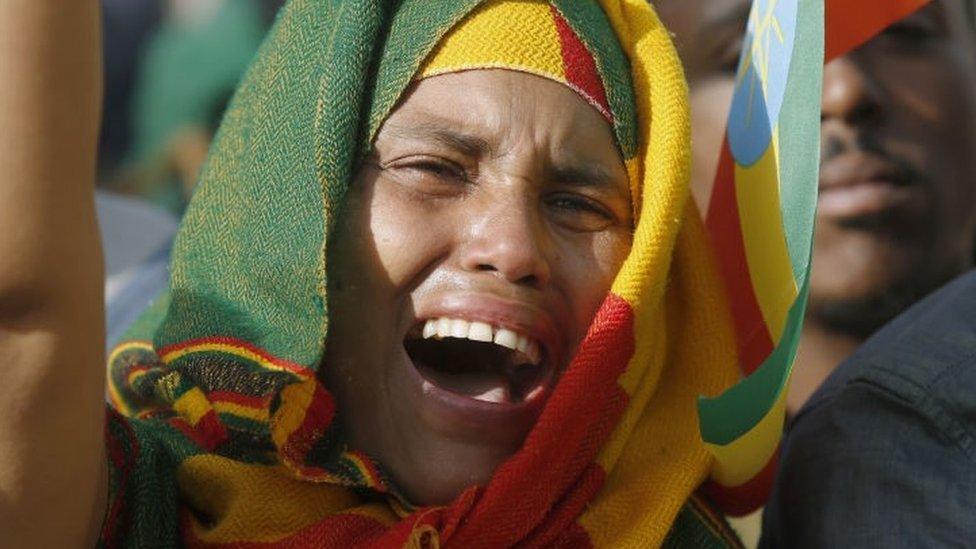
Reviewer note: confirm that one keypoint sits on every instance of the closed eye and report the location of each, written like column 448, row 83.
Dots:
column 570, row 202
column 729, row 57
column 923, row 26
column 579, row 213
column 442, row 169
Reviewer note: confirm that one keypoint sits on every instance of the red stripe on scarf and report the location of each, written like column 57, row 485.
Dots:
column 207, row 434
column 442, row 520
column 576, row 422
column 239, row 399
column 724, row 228
column 367, row 469
column 561, row 528
column 579, row 66
column 317, row 419
column 123, row 462
column 240, row 344
column 137, row 368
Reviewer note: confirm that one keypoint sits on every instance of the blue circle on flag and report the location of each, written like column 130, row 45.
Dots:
column 761, row 79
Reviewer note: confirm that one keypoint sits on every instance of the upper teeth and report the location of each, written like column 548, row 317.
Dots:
column 481, row 331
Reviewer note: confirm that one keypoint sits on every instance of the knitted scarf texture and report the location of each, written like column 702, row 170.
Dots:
column 221, row 433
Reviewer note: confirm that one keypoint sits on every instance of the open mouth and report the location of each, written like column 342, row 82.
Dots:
column 479, row 361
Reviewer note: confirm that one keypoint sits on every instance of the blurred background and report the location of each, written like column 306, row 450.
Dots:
column 171, row 67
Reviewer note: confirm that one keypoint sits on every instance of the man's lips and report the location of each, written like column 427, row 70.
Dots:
column 858, row 185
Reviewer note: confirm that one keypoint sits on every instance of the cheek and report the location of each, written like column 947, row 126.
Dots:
column 407, row 237
column 379, row 248
column 588, row 271
column 941, row 108
column 934, row 125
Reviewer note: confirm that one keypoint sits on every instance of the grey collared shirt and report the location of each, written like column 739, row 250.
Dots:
column 884, row 454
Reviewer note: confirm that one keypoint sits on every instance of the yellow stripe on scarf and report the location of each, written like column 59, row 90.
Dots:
column 260, row 503
column 495, row 35
column 684, row 341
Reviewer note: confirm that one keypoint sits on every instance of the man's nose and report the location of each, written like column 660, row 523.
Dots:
column 507, row 239
column 849, row 93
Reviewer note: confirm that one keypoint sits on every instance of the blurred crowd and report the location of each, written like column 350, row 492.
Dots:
column 896, row 222
column 171, row 67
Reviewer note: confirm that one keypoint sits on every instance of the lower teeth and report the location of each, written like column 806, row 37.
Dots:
column 497, row 395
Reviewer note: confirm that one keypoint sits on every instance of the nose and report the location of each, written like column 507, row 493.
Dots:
column 509, row 240
column 849, row 93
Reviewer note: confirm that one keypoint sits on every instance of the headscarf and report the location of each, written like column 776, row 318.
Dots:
column 186, row 76
column 224, row 434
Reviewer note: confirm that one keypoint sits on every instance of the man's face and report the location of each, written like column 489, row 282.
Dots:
column 487, row 220
column 896, row 216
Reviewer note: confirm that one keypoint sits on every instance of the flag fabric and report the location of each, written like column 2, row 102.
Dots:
column 760, row 215
column 218, row 391
column 851, row 23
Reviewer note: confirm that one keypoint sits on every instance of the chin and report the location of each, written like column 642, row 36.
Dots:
column 442, row 470
column 859, row 301
column 859, row 284
column 858, row 318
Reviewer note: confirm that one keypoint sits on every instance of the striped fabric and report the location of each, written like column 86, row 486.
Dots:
column 224, row 435
column 760, row 219
column 555, row 52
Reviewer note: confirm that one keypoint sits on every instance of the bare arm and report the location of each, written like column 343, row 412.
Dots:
column 52, row 471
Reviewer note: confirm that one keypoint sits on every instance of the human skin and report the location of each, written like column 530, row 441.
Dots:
column 526, row 217
column 507, row 204
column 896, row 216
column 52, row 464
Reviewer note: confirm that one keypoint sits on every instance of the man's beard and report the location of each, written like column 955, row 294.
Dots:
column 860, row 317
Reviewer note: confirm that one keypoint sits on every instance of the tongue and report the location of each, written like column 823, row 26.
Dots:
column 484, row 386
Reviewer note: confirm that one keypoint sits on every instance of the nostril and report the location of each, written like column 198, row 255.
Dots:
column 527, row 280
column 864, row 112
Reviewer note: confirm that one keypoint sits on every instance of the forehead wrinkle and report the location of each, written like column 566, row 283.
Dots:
column 444, row 132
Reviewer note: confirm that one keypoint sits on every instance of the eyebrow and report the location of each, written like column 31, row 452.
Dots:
column 569, row 173
column 585, row 175
column 463, row 143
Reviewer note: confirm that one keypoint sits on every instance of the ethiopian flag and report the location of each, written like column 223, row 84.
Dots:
column 851, row 23
column 760, row 217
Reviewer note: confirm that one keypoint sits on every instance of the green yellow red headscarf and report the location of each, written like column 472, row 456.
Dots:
column 224, row 434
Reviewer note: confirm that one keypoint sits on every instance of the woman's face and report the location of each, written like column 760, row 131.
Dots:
column 472, row 253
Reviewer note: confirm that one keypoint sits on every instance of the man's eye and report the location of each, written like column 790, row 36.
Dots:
column 912, row 31
column 729, row 58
